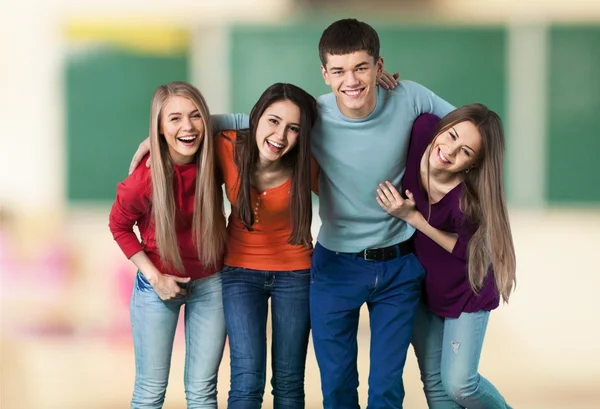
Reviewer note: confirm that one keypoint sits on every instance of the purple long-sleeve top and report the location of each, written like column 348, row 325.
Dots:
column 447, row 291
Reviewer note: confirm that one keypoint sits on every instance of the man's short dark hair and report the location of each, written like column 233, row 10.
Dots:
column 348, row 36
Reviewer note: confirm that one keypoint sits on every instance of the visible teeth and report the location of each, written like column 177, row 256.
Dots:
column 277, row 145
column 352, row 93
column 443, row 157
column 187, row 139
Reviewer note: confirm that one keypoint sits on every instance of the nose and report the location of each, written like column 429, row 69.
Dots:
column 351, row 79
column 281, row 131
column 187, row 124
column 453, row 149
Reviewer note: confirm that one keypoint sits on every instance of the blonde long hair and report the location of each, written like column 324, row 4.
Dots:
column 483, row 202
column 209, row 219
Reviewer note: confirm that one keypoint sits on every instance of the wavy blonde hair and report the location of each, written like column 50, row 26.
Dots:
column 208, row 223
column 483, row 201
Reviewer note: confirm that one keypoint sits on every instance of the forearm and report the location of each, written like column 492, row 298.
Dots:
column 444, row 239
column 222, row 122
column 146, row 266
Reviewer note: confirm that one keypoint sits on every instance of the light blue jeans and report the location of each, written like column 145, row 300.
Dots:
column 154, row 322
column 448, row 352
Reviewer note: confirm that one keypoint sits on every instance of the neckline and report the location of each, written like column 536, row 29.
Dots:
column 271, row 189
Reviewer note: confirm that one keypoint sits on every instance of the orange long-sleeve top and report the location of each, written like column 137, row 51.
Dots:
column 133, row 206
column 266, row 247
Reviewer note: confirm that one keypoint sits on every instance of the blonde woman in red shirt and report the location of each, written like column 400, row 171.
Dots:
column 178, row 207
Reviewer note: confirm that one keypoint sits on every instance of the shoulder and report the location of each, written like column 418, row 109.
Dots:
column 229, row 136
column 426, row 124
column 138, row 185
column 325, row 102
column 411, row 87
column 424, row 130
column 225, row 140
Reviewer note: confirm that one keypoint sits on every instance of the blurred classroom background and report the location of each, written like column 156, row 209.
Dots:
column 77, row 78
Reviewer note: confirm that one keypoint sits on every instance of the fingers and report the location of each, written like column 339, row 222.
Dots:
column 172, row 287
column 142, row 150
column 179, row 279
column 389, row 193
column 387, row 80
column 394, row 192
column 133, row 163
column 383, row 196
column 409, row 195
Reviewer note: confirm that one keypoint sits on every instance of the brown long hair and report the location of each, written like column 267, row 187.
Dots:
column 298, row 159
column 483, row 202
column 209, row 219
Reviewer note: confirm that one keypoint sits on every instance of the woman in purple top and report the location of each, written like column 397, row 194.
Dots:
column 455, row 199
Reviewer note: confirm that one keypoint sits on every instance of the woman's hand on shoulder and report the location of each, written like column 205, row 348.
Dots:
column 388, row 80
column 142, row 151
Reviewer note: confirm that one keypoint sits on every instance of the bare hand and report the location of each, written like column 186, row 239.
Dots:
column 167, row 288
column 388, row 80
column 142, row 151
column 392, row 202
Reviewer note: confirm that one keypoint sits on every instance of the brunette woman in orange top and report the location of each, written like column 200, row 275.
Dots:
column 267, row 175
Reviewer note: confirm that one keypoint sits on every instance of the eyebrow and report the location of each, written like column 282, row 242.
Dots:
column 356, row 66
column 278, row 117
column 467, row 146
column 179, row 113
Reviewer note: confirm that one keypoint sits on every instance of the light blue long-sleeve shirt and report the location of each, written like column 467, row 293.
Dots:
column 355, row 155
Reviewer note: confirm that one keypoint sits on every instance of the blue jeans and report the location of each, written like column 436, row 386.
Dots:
column 341, row 283
column 448, row 352
column 154, row 322
column 245, row 299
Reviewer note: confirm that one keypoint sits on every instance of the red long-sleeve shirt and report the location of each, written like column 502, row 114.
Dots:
column 133, row 205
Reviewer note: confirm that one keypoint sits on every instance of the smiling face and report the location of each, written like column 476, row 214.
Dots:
column 182, row 127
column 457, row 148
column 277, row 131
column 353, row 80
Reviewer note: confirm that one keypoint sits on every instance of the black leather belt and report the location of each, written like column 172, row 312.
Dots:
column 387, row 253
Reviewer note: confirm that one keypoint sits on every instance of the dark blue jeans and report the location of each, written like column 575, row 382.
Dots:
column 340, row 284
column 245, row 301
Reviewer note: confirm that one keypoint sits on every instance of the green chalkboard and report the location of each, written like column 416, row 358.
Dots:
column 462, row 65
column 108, row 93
column 574, row 104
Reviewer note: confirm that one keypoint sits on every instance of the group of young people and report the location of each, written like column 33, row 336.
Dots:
column 414, row 224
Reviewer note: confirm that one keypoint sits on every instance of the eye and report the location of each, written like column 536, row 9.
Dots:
column 452, row 136
column 336, row 72
column 175, row 118
column 467, row 152
column 274, row 121
column 361, row 69
column 196, row 116
column 295, row 129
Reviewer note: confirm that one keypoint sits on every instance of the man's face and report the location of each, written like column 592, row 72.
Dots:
column 353, row 79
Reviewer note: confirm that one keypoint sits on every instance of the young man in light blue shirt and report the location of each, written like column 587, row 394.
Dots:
column 362, row 254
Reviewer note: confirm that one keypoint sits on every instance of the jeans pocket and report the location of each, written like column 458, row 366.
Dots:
column 229, row 269
column 300, row 273
column 142, row 282
column 321, row 260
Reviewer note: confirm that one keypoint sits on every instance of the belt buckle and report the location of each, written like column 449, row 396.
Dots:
column 367, row 258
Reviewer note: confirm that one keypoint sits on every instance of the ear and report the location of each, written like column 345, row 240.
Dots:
column 379, row 67
column 325, row 76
